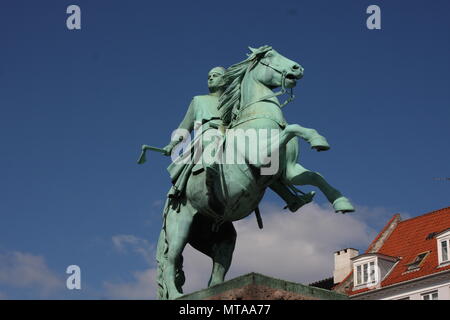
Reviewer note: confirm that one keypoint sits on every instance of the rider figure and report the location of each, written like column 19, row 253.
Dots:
column 203, row 111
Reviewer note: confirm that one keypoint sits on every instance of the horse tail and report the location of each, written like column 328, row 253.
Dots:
column 161, row 259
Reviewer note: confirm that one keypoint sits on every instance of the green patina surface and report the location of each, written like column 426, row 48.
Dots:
column 262, row 280
column 208, row 195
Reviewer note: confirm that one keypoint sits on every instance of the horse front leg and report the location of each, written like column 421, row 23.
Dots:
column 278, row 140
column 311, row 136
column 298, row 175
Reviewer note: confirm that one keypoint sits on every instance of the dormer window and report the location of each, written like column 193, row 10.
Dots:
column 365, row 273
column 418, row 261
column 443, row 244
column 369, row 269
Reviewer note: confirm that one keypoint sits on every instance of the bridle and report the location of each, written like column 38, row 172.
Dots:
column 275, row 94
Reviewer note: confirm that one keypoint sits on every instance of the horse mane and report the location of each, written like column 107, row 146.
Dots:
column 229, row 101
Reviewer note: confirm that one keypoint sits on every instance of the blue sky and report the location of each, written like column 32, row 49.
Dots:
column 75, row 107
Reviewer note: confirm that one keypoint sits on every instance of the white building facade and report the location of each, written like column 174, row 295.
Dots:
column 408, row 260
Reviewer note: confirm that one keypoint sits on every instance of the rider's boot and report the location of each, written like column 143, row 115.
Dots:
column 293, row 201
column 212, row 174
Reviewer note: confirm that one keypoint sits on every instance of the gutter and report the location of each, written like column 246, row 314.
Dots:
column 400, row 283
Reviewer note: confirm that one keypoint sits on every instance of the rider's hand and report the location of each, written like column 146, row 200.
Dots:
column 168, row 149
column 172, row 145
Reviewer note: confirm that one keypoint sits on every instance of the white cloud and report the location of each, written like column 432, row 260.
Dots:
column 142, row 247
column 297, row 247
column 24, row 270
column 143, row 286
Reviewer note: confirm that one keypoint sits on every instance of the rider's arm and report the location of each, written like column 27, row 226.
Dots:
column 187, row 124
column 189, row 118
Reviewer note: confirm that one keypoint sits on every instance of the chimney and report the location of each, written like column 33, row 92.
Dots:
column 343, row 264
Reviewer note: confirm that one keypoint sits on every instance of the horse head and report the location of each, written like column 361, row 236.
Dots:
column 275, row 70
column 263, row 65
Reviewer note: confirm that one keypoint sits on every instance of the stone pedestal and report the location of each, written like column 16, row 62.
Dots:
column 254, row 286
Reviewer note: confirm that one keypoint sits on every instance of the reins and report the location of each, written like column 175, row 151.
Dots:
column 275, row 94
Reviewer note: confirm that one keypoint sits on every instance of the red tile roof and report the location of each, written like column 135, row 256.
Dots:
column 409, row 239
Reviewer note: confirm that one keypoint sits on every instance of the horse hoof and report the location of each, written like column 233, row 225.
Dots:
column 319, row 143
column 342, row 205
column 321, row 148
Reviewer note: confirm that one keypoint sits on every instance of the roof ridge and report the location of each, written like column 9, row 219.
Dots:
column 426, row 214
column 388, row 224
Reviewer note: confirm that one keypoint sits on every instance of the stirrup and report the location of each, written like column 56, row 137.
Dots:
column 300, row 201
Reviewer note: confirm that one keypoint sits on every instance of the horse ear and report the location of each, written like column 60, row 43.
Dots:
column 253, row 50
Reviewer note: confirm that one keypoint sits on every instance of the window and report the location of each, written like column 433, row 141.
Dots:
column 443, row 247
column 444, row 250
column 365, row 273
column 417, row 261
column 430, row 296
column 358, row 275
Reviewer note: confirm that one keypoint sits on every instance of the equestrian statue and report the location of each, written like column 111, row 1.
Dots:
column 242, row 145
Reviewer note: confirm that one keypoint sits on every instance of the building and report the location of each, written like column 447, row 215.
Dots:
column 408, row 260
